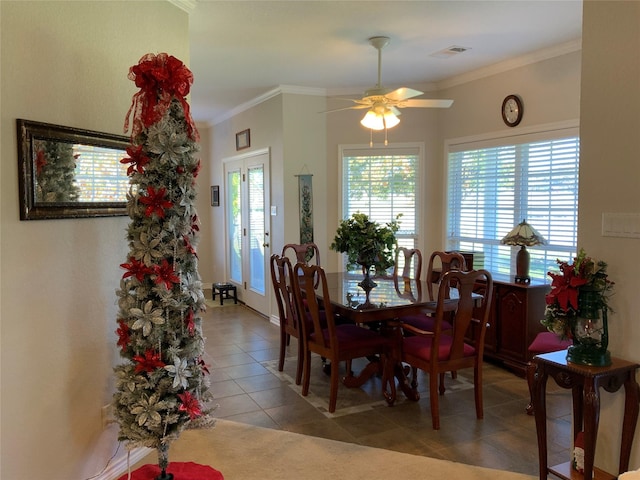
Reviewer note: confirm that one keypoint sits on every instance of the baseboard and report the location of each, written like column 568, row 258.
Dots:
column 120, row 465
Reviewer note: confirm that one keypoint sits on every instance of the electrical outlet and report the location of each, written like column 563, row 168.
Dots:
column 107, row 415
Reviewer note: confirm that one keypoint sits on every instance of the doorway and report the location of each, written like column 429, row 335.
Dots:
column 247, row 242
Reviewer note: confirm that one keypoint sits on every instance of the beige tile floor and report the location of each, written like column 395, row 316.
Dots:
column 242, row 350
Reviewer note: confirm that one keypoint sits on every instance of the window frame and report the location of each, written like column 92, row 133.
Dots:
column 541, row 256
column 416, row 148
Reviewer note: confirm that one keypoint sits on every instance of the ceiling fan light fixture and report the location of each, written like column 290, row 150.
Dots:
column 379, row 121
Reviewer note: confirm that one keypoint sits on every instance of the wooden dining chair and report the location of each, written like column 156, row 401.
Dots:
column 408, row 264
column 336, row 343
column 281, row 277
column 439, row 264
column 437, row 352
column 302, row 252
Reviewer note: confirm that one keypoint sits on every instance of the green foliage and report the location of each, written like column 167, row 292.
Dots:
column 366, row 242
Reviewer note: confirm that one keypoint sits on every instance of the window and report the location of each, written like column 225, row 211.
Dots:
column 383, row 182
column 495, row 184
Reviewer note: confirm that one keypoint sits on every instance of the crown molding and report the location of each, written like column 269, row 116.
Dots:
column 280, row 89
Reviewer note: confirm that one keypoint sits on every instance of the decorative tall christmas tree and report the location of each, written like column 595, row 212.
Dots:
column 162, row 387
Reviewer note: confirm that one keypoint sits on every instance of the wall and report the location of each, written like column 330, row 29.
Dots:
column 290, row 125
column 610, row 182
column 416, row 125
column 58, row 277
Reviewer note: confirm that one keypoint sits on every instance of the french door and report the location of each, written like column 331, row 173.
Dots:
column 247, row 226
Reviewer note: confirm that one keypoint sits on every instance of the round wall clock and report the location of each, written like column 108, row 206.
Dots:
column 512, row 110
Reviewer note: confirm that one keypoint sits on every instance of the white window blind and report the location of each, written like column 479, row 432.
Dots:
column 492, row 188
column 382, row 183
column 100, row 175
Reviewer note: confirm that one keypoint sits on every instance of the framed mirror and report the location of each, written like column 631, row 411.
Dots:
column 67, row 172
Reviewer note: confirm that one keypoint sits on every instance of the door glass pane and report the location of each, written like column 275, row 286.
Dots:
column 256, row 228
column 234, row 214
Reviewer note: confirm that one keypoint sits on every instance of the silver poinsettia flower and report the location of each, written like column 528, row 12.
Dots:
column 146, row 317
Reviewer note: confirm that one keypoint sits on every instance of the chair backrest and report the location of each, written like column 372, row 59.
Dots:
column 309, row 283
column 467, row 307
column 408, row 260
column 303, row 252
column 281, row 277
column 439, row 264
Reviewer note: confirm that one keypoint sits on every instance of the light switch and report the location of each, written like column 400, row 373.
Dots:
column 621, row 225
column 274, row 210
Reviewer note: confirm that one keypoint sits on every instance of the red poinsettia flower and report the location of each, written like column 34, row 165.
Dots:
column 203, row 366
column 136, row 268
column 189, row 323
column 137, row 158
column 188, row 246
column 189, row 404
column 194, row 224
column 164, row 274
column 196, row 170
column 149, row 362
column 123, row 335
column 41, row 161
column 155, row 201
column 565, row 287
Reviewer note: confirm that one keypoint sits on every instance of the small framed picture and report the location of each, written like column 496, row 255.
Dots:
column 243, row 139
column 215, row 196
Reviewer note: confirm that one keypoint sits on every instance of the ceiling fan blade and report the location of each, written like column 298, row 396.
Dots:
column 402, row 93
column 426, row 103
column 395, row 111
column 353, row 107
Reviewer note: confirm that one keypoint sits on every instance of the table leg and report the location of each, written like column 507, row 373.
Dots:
column 631, row 399
column 591, row 420
column 538, row 399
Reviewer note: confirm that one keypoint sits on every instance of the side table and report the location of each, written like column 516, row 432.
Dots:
column 585, row 383
column 223, row 290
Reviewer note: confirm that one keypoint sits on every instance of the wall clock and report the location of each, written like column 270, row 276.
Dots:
column 512, row 110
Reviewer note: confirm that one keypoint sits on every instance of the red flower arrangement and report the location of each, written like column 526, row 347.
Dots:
column 584, row 275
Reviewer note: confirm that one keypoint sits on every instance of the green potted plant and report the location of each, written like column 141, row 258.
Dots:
column 366, row 243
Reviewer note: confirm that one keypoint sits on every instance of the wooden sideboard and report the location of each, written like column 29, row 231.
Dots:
column 516, row 311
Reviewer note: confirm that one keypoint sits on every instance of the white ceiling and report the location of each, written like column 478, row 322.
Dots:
column 241, row 50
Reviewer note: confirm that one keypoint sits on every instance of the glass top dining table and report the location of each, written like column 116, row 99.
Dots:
column 389, row 299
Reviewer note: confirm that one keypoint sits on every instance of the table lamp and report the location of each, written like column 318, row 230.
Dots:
column 524, row 235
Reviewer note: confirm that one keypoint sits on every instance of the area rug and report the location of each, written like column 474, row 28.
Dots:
column 350, row 400
column 246, row 452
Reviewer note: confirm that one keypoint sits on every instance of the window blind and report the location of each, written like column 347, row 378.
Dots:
column 382, row 183
column 493, row 188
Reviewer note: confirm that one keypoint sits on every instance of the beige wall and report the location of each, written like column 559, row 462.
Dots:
column 65, row 63
column 610, row 182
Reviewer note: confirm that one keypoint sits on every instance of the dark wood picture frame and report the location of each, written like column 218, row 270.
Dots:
column 243, row 139
column 29, row 133
column 215, row 195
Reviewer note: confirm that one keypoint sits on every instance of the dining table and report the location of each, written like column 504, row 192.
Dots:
column 382, row 306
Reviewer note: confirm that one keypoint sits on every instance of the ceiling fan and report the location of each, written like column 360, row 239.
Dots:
column 383, row 104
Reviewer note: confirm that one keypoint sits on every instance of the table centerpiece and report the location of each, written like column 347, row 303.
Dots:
column 577, row 308
column 367, row 243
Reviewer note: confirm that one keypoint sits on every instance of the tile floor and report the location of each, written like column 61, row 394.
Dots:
column 242, row 350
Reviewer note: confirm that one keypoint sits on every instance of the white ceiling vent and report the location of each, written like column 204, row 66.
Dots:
column 450, row 51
